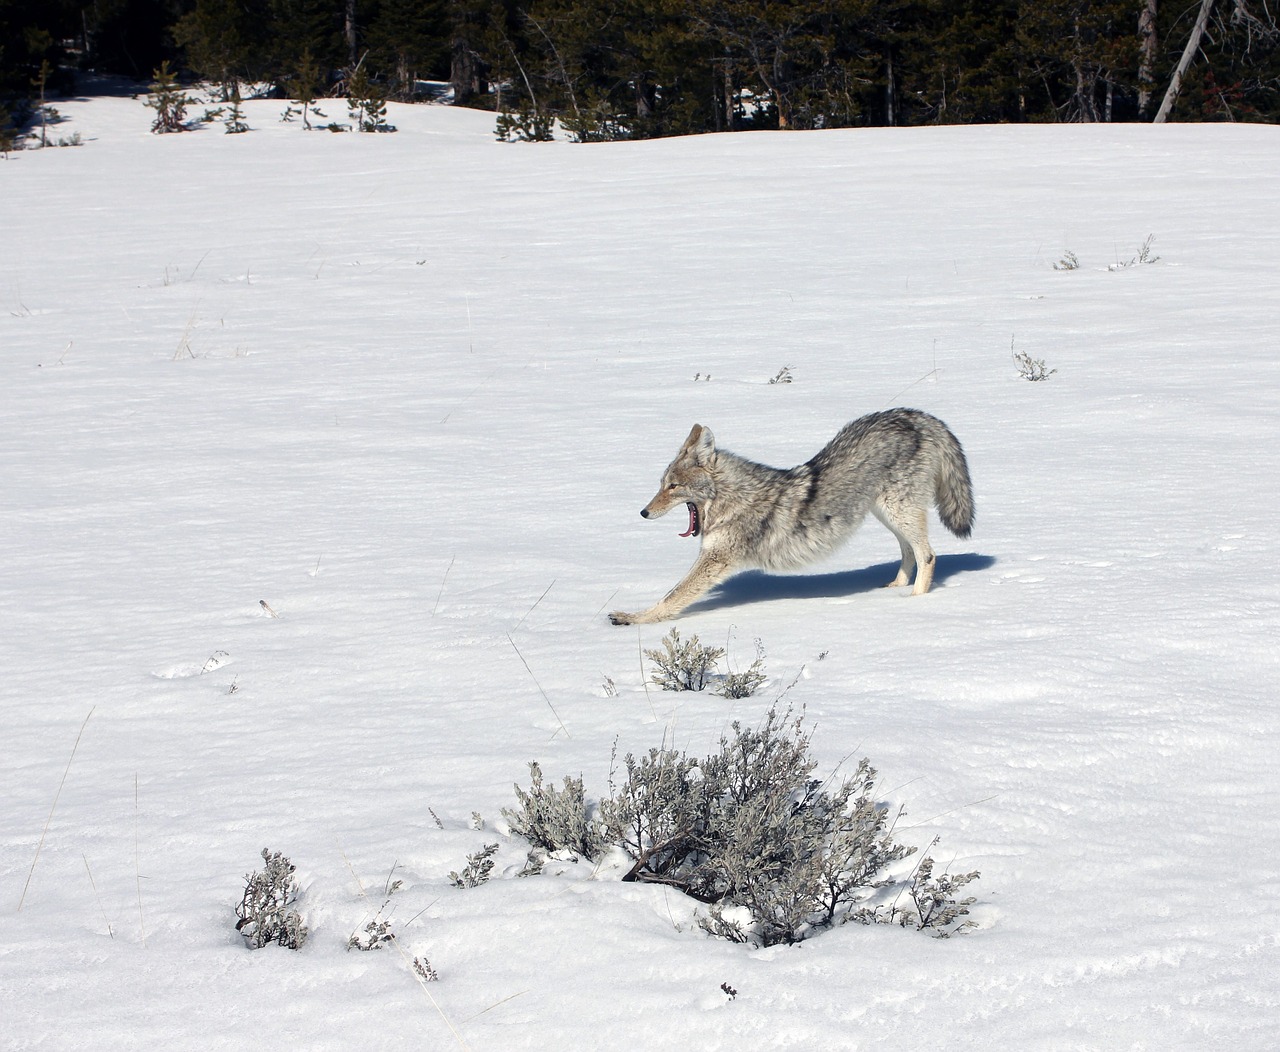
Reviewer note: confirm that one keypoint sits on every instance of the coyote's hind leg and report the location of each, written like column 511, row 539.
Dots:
column 911, row 527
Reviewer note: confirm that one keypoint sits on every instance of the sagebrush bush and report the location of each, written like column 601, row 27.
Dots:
column 265, row 912
column 776, row 854
column 1030, row 368
column 934, row 901
column 554, row 819
column 477, row 869
column 744, row 684
column 377, row 932
column 683, row 664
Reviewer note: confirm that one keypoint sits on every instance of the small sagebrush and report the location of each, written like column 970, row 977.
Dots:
column 377, row 932
column 1032, row 369
column 683, row 664
column 934, row 899
column 265, row 912
column 477, row 869
column 744, row 684
column 554, row 819
column 1145, row 255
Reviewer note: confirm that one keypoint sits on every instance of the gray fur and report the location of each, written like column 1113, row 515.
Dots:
column 892, row 464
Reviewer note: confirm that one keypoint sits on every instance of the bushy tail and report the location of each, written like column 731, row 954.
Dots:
column 952, row 487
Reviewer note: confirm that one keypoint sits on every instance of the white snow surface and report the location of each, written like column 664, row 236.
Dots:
column 411, row 391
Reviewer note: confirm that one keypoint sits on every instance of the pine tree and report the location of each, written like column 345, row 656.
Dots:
column 367, row 102
column 408, row 40
column 235, row 116
column 304, row 85
column 169, row 101
column 226, row 41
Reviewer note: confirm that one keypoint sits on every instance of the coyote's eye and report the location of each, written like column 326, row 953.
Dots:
column 671, row 485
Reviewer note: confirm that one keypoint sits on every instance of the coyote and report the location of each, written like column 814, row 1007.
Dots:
column 893, row 464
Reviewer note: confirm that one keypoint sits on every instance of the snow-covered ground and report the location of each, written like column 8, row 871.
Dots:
column 412, row 390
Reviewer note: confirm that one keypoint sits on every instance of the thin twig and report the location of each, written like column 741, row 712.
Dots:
column 96, row 895
column 442, row 581
column 535, row 605
column 605, row 603
column 198, row 262
column 137, row 868
column 540, row 690
column 644, row 680
column 496, row 1004
column 53, row 808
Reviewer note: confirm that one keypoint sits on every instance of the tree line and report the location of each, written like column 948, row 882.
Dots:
column 644, row 68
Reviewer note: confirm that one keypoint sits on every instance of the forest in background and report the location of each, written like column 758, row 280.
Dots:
column 643, row 68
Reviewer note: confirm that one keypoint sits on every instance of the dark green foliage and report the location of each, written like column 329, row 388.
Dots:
column 407, row 43
column 304, row 85
column 367, row 102
column 524, row 125
column 235, row 122
column 226, row 41
column 169, row 101
column 610, row 69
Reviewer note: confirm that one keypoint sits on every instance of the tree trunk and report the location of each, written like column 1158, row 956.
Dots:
column 730, row 97
column 890, row 89
column 349, row 31
column 466, row 74
column 1188, row 53
column 1147, row 44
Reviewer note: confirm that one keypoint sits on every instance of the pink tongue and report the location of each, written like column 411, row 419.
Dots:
column 693, row 522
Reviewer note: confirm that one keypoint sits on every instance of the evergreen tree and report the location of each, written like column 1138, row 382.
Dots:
column 235, row 121
column 305, row 27
column 226, row 41
column 408, row 40
column 169, row 101
column 367, row 102
column 1082, row 52
column 127, row 37
column 304, row 85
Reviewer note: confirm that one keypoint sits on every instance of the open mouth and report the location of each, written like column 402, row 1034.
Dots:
column 695, row 524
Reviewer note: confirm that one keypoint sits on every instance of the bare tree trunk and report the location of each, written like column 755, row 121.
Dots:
column 466, row 71
column 1147, row 43
column 890, row 89
column 1184, row 63
column 730, row 99
column 349, row 31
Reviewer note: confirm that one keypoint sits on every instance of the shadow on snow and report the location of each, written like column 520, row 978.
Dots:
column 756, row 586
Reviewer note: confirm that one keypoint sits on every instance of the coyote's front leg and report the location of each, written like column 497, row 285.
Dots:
column 707, row 570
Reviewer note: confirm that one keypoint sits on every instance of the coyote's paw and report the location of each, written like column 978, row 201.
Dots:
column 620, row 618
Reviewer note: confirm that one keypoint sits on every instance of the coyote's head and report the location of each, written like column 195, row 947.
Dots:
column 688, row 480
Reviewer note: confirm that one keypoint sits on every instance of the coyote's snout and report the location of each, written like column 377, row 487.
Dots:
column 893, row 464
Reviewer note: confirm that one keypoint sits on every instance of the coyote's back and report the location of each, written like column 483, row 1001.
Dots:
column 893, row 464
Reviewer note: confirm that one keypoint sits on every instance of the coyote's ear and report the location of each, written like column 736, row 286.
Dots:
column 700, row 440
